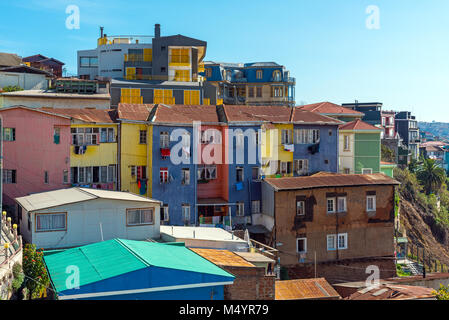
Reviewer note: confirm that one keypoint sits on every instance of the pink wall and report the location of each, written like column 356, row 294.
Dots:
column 34, row 152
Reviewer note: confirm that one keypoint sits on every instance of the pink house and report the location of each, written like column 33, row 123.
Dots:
column 36, row 152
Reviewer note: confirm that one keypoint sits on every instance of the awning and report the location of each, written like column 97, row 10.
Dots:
column 257, row 229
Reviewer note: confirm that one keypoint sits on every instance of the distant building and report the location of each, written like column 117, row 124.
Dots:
column 24, row 77
column 42, row 62
column 324, row 218
column 372, row 111
column 9, row 60
column 258, row 83
column 121, row 269
column 73, row 217
column 407, row 128
column 333, row 110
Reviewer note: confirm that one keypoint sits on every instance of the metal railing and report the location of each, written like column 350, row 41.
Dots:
column 427, row 259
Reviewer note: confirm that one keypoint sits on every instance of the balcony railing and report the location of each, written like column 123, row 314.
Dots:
column 184, row 59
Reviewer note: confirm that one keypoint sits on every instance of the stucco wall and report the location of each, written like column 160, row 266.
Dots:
column 62, row 102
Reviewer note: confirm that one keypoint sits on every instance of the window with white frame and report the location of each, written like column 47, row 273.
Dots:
column 301, row 245
column 346, row 143
column 300, row 208
column 255, row 206
column 371, row 203
column 135, row 217
column 240, row 209
column 51, row 222
column 164, row 215
column 211, row 136
column 207, row 172
column 9, row 134
column 239, row 174
column 285, row 167
column 341, row 204
column 302, row 167
column 186, row 213
column 367, row 171
column 164, row 139
column 286, row 137
column 256, row 173
column 259, row 74
column 163, row 174
column 9, row 176
column 142, row 136
column 331, row 205
column 65, row 176
column 307, row 136
column 335, row 241
column 185, row 172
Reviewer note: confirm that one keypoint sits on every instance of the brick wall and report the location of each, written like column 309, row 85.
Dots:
column 249, row 284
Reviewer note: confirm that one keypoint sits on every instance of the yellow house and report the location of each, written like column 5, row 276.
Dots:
column 277, row 155
column 135, row 145
column 93, row 150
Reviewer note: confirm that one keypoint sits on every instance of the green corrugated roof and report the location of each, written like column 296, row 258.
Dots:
column 112, row 258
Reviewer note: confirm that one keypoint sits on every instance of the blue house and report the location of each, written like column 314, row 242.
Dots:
column 134, row 270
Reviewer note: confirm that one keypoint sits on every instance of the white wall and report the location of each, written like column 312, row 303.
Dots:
column 63, row 102
column 346, row 158
column 83, row 224
column 27, row 81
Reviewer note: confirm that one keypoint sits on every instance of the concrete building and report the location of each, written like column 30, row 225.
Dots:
column 24, row 77
column 78, row 216
column 408, row 130
column 344, row 223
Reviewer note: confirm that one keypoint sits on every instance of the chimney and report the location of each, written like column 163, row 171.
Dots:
column 101, row 32
column 157, row 30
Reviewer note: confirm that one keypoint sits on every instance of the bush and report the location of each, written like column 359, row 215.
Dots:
column 34, row 268
column 12, row 89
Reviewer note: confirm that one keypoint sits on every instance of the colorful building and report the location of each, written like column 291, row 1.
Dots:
column 93, row 147
column 359, row 148
column 136, row 270
column 334, row 111
column 387, row 168
column 36, row 151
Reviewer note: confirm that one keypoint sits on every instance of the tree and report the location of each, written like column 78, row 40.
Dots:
column 442, row 293
column 35, row 271
column 431, row 176
column 387, row 154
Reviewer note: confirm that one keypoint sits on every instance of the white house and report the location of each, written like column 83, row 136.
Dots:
column 78, row 216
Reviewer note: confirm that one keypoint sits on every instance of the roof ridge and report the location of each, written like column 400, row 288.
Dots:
column 87, row 192
column 134, row 253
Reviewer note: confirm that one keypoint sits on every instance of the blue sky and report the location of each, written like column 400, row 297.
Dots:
column 324, row 43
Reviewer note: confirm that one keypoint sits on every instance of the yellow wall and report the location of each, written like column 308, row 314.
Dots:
column 273, row 149
column 135, row 154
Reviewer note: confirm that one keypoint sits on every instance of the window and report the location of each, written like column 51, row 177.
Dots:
column 334, row 240
column 111, row 136
column 88, row 62
column 256, row 173
column 341, row 204
column 81, row 174
column 56, row 135
column 9, row 176
column 208, row 72
column 240, row 209
column 103, row 174
column 259, row 92
column 277, row 91
column 300, row 208
column 142, row 136
column 347, row 171
column 136, row 217
column 330, row 205
column 111, row 173
column 163, row 173
column 133, row 171
column 212, row 136
column 239, row 174
column 286, row 136
column 107, row 135
column 65, row 176
column 276, row 76
column 185, row 176
column 259, row 74
column 207, row 172
column 251, row 92
column 164, row 139
column 255, row 206
column 301, row 245
column 367, row 171
column 9, row 134
column 46, row 177
column 307, row 136
column 186, row 213
column 370, row 203
column 51, row 222
column 346, row 143
column 301, row 167
column 286, row 167
column 164, row 216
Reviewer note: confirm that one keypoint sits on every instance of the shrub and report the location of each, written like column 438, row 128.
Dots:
column 35, row 271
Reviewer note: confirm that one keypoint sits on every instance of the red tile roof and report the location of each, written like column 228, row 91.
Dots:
column 358, row 125
column 393, row 292
column 300, row 115
column 304, row 289
column 185, row 114
column 241, row 113
column 323, row 180
column 330, row 108
column 86, row 115
column 136, row 112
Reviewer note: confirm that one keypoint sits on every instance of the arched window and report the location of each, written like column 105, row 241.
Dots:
column 259, row 74
column 276, row 75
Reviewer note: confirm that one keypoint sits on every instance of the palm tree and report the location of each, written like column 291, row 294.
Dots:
column 431, row 176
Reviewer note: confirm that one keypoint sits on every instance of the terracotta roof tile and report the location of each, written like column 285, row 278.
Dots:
column 329, row 108
column 87, row 115
column 185, row 114
column 358, row 125
column 330, row 180
column 304, row 289
column 241, row 113
column 223, row 257
column 303, row 116
column 136, row 112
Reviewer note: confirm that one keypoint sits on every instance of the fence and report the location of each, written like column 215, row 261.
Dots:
column 420, row 255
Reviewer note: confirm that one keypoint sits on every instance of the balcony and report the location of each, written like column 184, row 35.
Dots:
column 126, row 39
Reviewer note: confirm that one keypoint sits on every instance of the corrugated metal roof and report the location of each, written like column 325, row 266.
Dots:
column 300, row 289
column 241, row 113
column 107, row 259
column 254, row 257
column 9, row 59
column 330, row 108
column 50, row 199
column 185, row 114
column 86, row 115
column 303, row 116
column 223, row 258
column 392, row 292
column 324, row 180
column 200, row 233
column 136, row 112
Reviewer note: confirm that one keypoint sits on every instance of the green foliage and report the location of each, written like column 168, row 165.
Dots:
column 400, row 271
column 442, row 293
column 12, row 89
column 18, row 276
column 35, row 271
column 431, row 176
column 387, row 154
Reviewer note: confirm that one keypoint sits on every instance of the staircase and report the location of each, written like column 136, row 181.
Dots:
column 414, row 268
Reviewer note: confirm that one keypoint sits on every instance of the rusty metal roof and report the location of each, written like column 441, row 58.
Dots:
column 135, row 112
column 241, row 113
column 224, row 258
column 390, row 291
column 324, row 180
column 185, row 114
column 330, row 108
column 300, row 115
column 86, row 115
column 300, row 289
